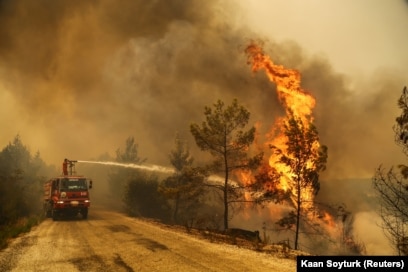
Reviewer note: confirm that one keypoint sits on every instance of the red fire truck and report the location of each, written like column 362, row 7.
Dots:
column 67, row 194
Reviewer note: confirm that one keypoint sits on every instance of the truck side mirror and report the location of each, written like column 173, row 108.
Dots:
column 90, row 184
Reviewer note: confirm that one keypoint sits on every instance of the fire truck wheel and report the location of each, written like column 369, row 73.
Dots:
column 47, row 210
column 54, row 215
column 47, row 213
column 84, row 213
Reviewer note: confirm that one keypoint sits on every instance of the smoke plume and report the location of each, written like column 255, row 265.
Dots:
column 99, row 72
column 79, row 77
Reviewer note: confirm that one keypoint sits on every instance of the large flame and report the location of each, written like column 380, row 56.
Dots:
column 277, row 176
column 296, row 102
column 289, row 91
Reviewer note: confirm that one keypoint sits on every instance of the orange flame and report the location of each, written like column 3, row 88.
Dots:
column 292, row 96
column 329, row 220
column 296, row 102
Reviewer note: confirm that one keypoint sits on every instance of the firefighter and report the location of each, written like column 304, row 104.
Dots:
column 65, row 167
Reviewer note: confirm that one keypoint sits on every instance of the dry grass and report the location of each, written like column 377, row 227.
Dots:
column 280, row 250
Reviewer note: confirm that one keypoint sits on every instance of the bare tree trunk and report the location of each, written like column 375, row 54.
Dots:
column 298, row 202
column 176, row 208
column 226, row 191
column 226, row 197
column 225, row 207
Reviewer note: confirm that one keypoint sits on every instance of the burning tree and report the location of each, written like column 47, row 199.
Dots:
column 302, row 160
column 297, row 155
column 223, row 136
column 392, row 187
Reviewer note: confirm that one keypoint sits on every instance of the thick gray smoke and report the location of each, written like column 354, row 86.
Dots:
column 83, row 76
column 86, row 75
column 79, row 77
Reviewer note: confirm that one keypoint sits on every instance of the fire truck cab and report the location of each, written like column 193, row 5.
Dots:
column 67, row 195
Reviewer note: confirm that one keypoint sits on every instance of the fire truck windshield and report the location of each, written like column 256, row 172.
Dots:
column 73, row 184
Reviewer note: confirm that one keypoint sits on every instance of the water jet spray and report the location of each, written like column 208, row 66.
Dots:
column 153, row 167
column 156, row 168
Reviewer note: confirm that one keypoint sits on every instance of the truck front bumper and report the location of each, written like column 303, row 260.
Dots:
column 72, row 204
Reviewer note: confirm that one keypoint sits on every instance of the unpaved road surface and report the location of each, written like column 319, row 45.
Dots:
column 110, row 241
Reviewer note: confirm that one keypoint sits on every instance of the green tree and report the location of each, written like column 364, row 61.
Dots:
column 392, row 191
column 141, row 197
column 15, row 156
column 392, row 187
column 185, row 187
column 137, row 189
column 119, row 177
column 180, row 156
column 222, row 135
column 130, row 154
column 305, row 159
column 21, row 179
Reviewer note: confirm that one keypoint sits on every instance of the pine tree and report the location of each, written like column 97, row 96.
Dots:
column 224, row 137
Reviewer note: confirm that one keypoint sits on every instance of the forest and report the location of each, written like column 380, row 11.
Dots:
column 22, row 175
column 236, row 179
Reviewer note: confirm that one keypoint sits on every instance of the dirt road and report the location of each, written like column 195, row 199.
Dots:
column 110, row 241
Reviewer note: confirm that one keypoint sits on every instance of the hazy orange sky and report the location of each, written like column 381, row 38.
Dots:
column 357, row 36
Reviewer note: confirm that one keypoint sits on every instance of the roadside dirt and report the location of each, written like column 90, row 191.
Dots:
column 110, row 241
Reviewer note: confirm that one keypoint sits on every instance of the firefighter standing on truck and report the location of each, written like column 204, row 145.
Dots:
column 65, row 167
